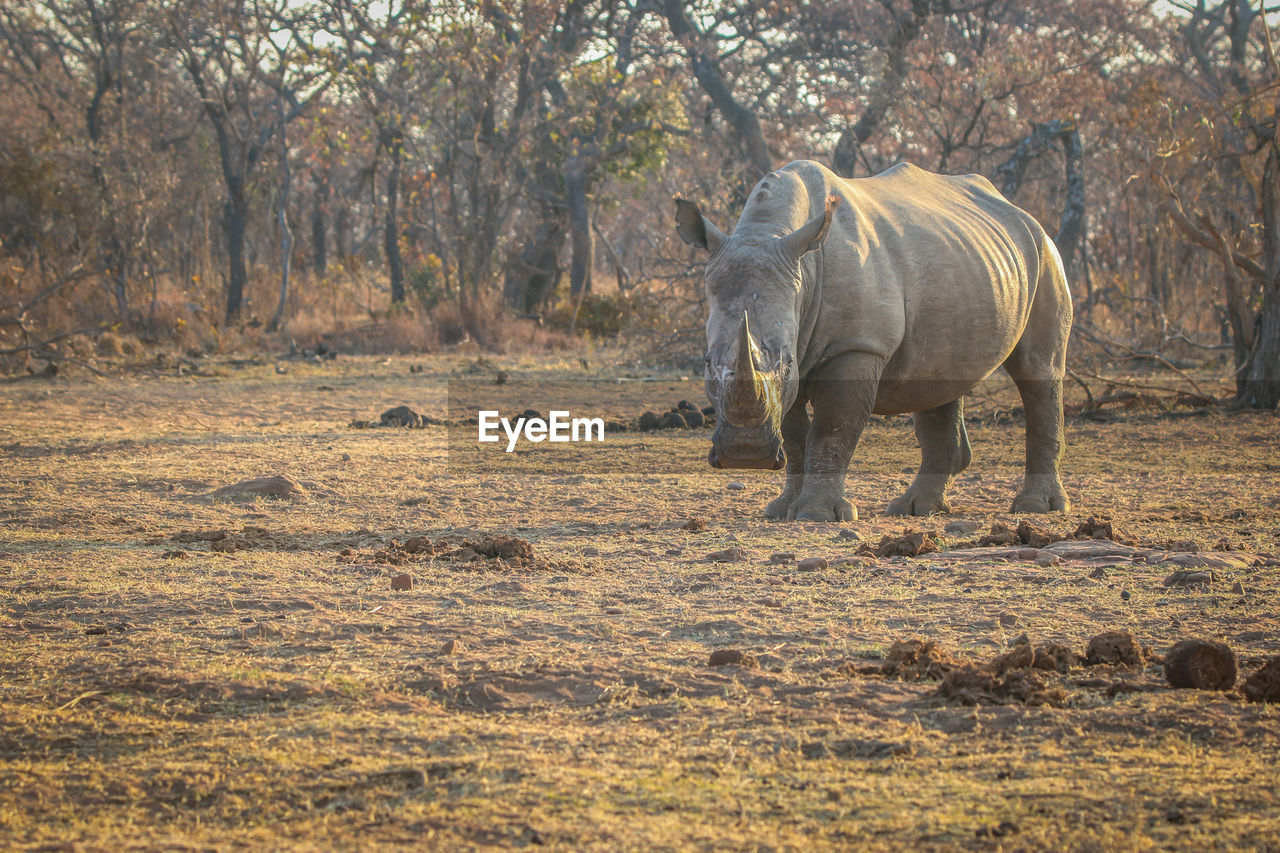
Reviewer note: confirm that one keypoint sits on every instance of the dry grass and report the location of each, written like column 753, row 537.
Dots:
column 282, row 696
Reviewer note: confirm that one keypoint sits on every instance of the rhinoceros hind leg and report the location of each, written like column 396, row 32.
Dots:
column 795, row 429
column 944, row 452
column 1041, row 487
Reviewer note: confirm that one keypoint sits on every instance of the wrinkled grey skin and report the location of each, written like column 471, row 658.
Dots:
column 891, row 294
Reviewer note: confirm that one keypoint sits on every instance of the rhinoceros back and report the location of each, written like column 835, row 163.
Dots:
column 936, row 273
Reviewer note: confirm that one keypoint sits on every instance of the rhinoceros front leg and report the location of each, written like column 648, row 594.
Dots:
column 944, row 452
column 843, row 394
column 795, row 429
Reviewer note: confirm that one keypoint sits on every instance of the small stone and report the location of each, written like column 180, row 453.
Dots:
column 849, row 534
column 812, row 564
column 1008, row 620
column 450, row 647
column 1028, row 553
column 735, row 486
column 962, row 527
column 1206, row 562
column 591, row 552
column 731, row 657
column 402, row 582
column 782, row 557
column 1201, row 665
column 1125, row 595
column 1237, row 588
column 1189, row 579
column 346, row 457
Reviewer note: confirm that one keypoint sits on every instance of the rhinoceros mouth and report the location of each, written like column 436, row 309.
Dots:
column 764, row 463
column 772, row 460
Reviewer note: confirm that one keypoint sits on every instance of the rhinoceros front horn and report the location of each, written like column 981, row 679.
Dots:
column 744, row 398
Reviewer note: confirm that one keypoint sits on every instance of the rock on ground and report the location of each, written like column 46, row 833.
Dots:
column 269, row 487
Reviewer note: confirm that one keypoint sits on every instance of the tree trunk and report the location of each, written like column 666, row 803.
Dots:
column 906, row 27
column 235, row 221
column 1012, row 171
column 1259, row 385
column 286, row 234
column 532, row 272
column 319, row 228
column 579, row 227
column 706, row 69
column 1258, row 379
column 391, row 229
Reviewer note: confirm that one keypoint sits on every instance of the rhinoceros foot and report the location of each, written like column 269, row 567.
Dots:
column 1043, row 499
column 839, row 510
column 918, row 502
column 777, row 508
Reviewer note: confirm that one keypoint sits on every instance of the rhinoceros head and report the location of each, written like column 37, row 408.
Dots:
column 754, row 293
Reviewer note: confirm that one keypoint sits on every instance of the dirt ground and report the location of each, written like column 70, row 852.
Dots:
column 180, row 671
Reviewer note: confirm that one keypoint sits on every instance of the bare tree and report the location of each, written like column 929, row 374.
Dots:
column 245, row 58
column 1239, row 75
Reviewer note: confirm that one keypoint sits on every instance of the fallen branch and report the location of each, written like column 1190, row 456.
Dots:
column 1106, row 343
column 1140, row 392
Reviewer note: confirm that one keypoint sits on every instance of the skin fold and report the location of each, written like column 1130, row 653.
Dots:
column 891, row 294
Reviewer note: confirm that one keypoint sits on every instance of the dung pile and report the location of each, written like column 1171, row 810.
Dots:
column 1116, row 647
column 500, row 552
column 912, row 543
column 225, row 541
column 683, row 415
column 981, row 685
column 1200, row 665
column 413, row 550
column 917, row 659
column 1264, row 685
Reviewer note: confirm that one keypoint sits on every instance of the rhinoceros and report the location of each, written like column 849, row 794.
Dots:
column 890, row 294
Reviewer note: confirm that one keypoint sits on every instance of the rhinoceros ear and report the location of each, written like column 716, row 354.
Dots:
column 694, row 228
column 809, row 236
